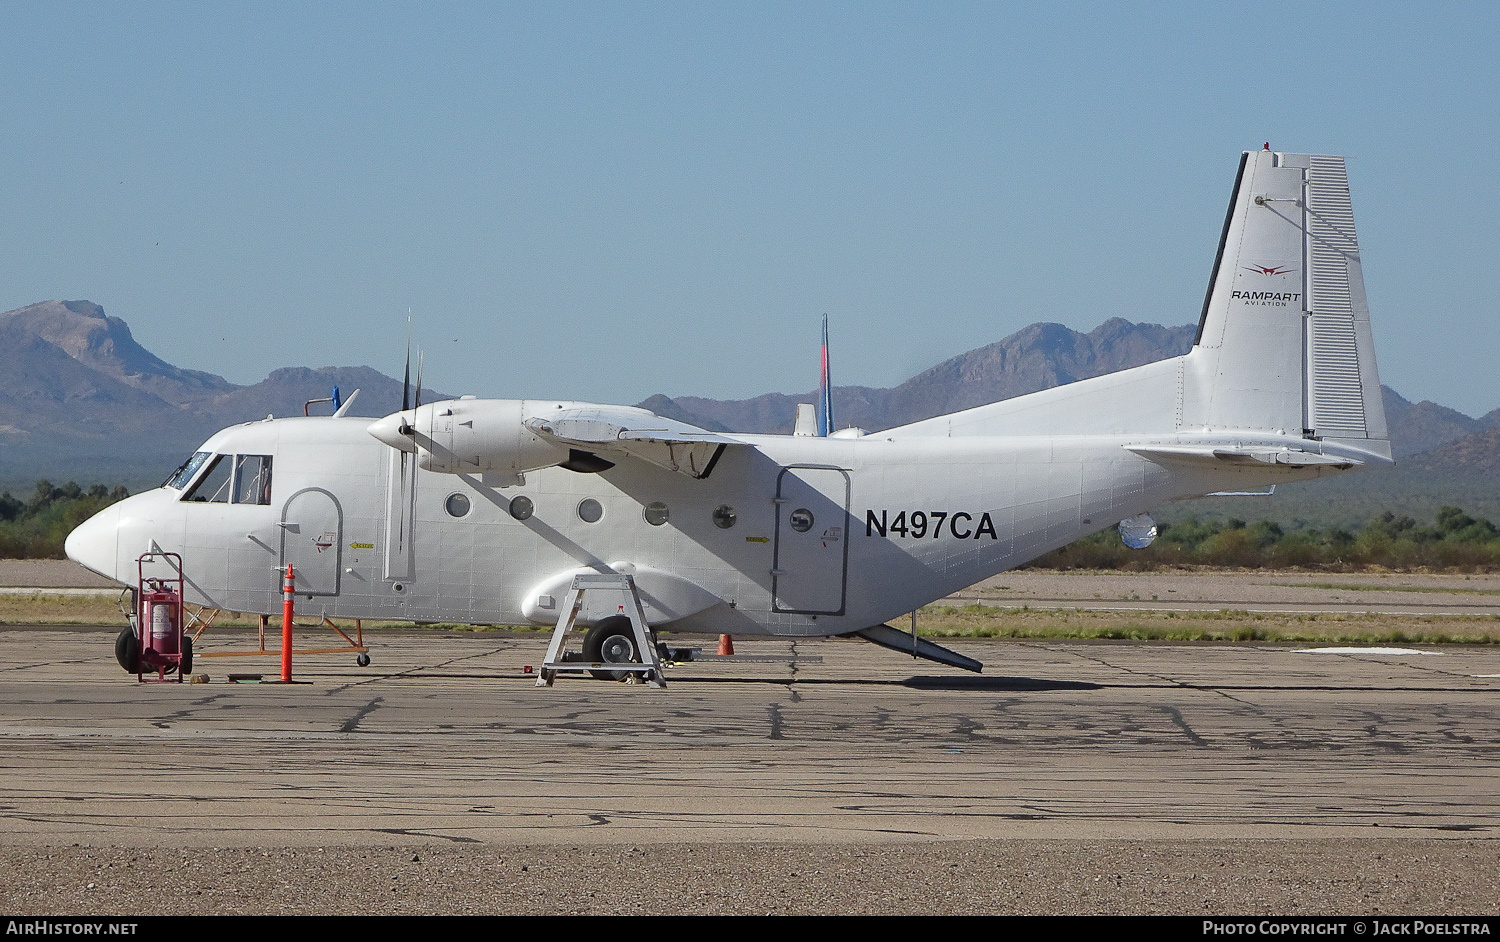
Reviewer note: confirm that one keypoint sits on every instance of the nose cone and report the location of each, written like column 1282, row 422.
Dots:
column 94, row 543
column 388, row 430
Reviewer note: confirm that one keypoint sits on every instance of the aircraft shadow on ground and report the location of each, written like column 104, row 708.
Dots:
column 983, row 684
column 1030, row 684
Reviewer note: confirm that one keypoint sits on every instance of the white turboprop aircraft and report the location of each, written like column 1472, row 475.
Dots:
column 483, row 511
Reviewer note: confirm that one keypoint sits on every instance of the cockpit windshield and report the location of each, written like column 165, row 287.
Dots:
column 185, row 471
column 239, row 479
column 213, row 486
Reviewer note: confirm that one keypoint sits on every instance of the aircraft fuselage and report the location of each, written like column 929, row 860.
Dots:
column 798, row 536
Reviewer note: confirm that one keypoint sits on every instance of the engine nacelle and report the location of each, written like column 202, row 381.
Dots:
column 475, row 436
column 485, row 436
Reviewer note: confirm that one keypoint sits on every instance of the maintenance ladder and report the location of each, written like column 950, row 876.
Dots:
column 629, row 606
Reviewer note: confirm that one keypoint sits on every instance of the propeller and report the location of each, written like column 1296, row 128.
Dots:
column 408, row 480
column 406, row 428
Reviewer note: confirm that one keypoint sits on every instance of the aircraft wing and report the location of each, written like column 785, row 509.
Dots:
column 622, row 430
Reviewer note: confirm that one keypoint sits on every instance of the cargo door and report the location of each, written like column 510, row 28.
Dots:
column 812, row 540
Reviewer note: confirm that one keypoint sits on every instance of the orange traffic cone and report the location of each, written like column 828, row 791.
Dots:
column 726, row 645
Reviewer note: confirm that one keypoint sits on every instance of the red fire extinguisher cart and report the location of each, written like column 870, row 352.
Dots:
column 163, row 645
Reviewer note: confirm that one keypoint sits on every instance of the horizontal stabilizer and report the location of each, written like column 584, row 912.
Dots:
column 1238, row 454
column 888, row 637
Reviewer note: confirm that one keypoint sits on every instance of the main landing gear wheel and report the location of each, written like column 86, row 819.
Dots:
column 128, row 651
column 612, row 641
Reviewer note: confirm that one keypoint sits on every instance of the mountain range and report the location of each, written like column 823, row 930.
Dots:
column 84, row 401
column 1033, row 358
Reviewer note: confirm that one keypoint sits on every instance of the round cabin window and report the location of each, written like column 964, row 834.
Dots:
column 590, row 510
column 801, row 520
column 656, row 513
column 724, row 516
column 521, row 507
column 457, row 505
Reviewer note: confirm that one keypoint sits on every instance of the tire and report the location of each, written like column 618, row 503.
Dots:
column 128, row 651
column 611, row 640
column 185, row 666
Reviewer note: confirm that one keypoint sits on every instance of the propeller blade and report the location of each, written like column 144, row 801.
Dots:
column 406, row 378
column 417, row 404
column 405, row 491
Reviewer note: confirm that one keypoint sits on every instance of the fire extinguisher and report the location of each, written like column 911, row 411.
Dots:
column 155, row 642
column 161, row 632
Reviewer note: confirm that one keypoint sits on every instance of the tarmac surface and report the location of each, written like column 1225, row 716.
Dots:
column 1070, row 777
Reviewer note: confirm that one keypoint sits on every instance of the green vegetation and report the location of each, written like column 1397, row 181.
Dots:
column 1455, row 542
column 36, row 528
column 1352, row 500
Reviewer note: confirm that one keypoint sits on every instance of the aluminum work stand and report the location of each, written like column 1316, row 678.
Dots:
column 628, row 606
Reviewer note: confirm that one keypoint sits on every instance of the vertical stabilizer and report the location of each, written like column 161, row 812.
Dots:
column 1284, row 340
column 807, row 420
column 825, row 389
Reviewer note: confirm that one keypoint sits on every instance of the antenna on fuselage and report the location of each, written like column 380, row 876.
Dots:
column 344, row 409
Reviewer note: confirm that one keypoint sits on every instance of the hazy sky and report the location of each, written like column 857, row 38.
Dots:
column 605, row 201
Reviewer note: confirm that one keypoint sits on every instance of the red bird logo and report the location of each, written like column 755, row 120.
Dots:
column 1279, row 270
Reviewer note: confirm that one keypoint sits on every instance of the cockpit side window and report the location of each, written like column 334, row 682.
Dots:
column 213, row 486
column 187, row 469
column 252, row 479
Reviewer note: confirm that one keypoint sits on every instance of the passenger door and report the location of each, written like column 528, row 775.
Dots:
column 312, row 534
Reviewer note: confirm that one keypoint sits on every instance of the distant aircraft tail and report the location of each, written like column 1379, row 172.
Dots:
column 825, row 389
column 1283, row 345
